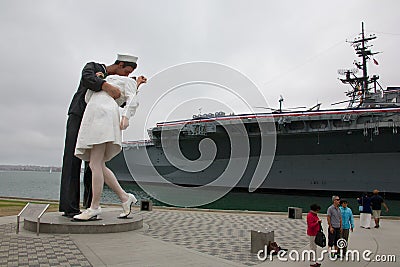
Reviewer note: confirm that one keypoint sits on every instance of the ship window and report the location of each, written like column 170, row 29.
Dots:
column 296, row 125
column 318, row 124
column 338, row 123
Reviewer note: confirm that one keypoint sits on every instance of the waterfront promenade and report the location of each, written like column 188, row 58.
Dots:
column 181, row 237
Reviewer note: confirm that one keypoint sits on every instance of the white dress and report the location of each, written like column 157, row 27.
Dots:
column 101, row 120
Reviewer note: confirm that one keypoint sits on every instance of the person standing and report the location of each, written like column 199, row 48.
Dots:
column 313, row 227
column 334, row 219
column 71, row 168
column 365, row 212
column 347, row 222
column 376, row 204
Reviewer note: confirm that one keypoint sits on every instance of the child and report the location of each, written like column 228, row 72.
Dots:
column 347, row 222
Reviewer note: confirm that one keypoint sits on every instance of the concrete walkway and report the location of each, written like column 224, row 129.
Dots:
column 179, row 237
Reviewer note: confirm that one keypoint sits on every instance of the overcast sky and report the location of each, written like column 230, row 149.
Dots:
column 288, row 48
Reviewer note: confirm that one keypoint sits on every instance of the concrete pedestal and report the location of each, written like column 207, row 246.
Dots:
column 146, row 205
column 57, row 224
column 295, row 213
column 261, row 238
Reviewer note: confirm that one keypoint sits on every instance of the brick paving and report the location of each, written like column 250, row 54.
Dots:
column 223, row 235
column 45, row 250
column 181, row 238
column 219, row 234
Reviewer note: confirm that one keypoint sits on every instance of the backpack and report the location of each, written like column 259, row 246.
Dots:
column 320, row 238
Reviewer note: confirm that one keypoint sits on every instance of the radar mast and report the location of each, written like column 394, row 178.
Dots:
column 360, row 85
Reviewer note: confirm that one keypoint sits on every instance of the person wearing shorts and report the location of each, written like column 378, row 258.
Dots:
column 334, row 218
column 376, row 204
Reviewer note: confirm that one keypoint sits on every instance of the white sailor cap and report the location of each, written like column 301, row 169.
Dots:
column 127, row 58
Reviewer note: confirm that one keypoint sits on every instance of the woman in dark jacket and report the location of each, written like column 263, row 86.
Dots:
column 365, row 211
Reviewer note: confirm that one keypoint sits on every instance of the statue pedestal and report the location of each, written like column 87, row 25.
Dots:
column 55, row 223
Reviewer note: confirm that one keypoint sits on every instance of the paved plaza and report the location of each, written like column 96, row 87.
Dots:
column 180, row 237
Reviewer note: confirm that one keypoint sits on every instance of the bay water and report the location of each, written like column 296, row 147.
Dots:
column 46, row 185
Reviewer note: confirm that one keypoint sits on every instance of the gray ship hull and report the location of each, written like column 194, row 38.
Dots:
column 332, row 162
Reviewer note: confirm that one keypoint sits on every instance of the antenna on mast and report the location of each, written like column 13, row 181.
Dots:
column 359, row 84
column 280, row 102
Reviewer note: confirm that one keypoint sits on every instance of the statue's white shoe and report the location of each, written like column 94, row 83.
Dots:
column 127, row 206
column 88, row 214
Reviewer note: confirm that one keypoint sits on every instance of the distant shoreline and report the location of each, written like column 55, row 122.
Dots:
column 30, row 168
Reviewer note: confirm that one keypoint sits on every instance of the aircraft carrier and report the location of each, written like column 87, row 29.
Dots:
column 353, row 149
